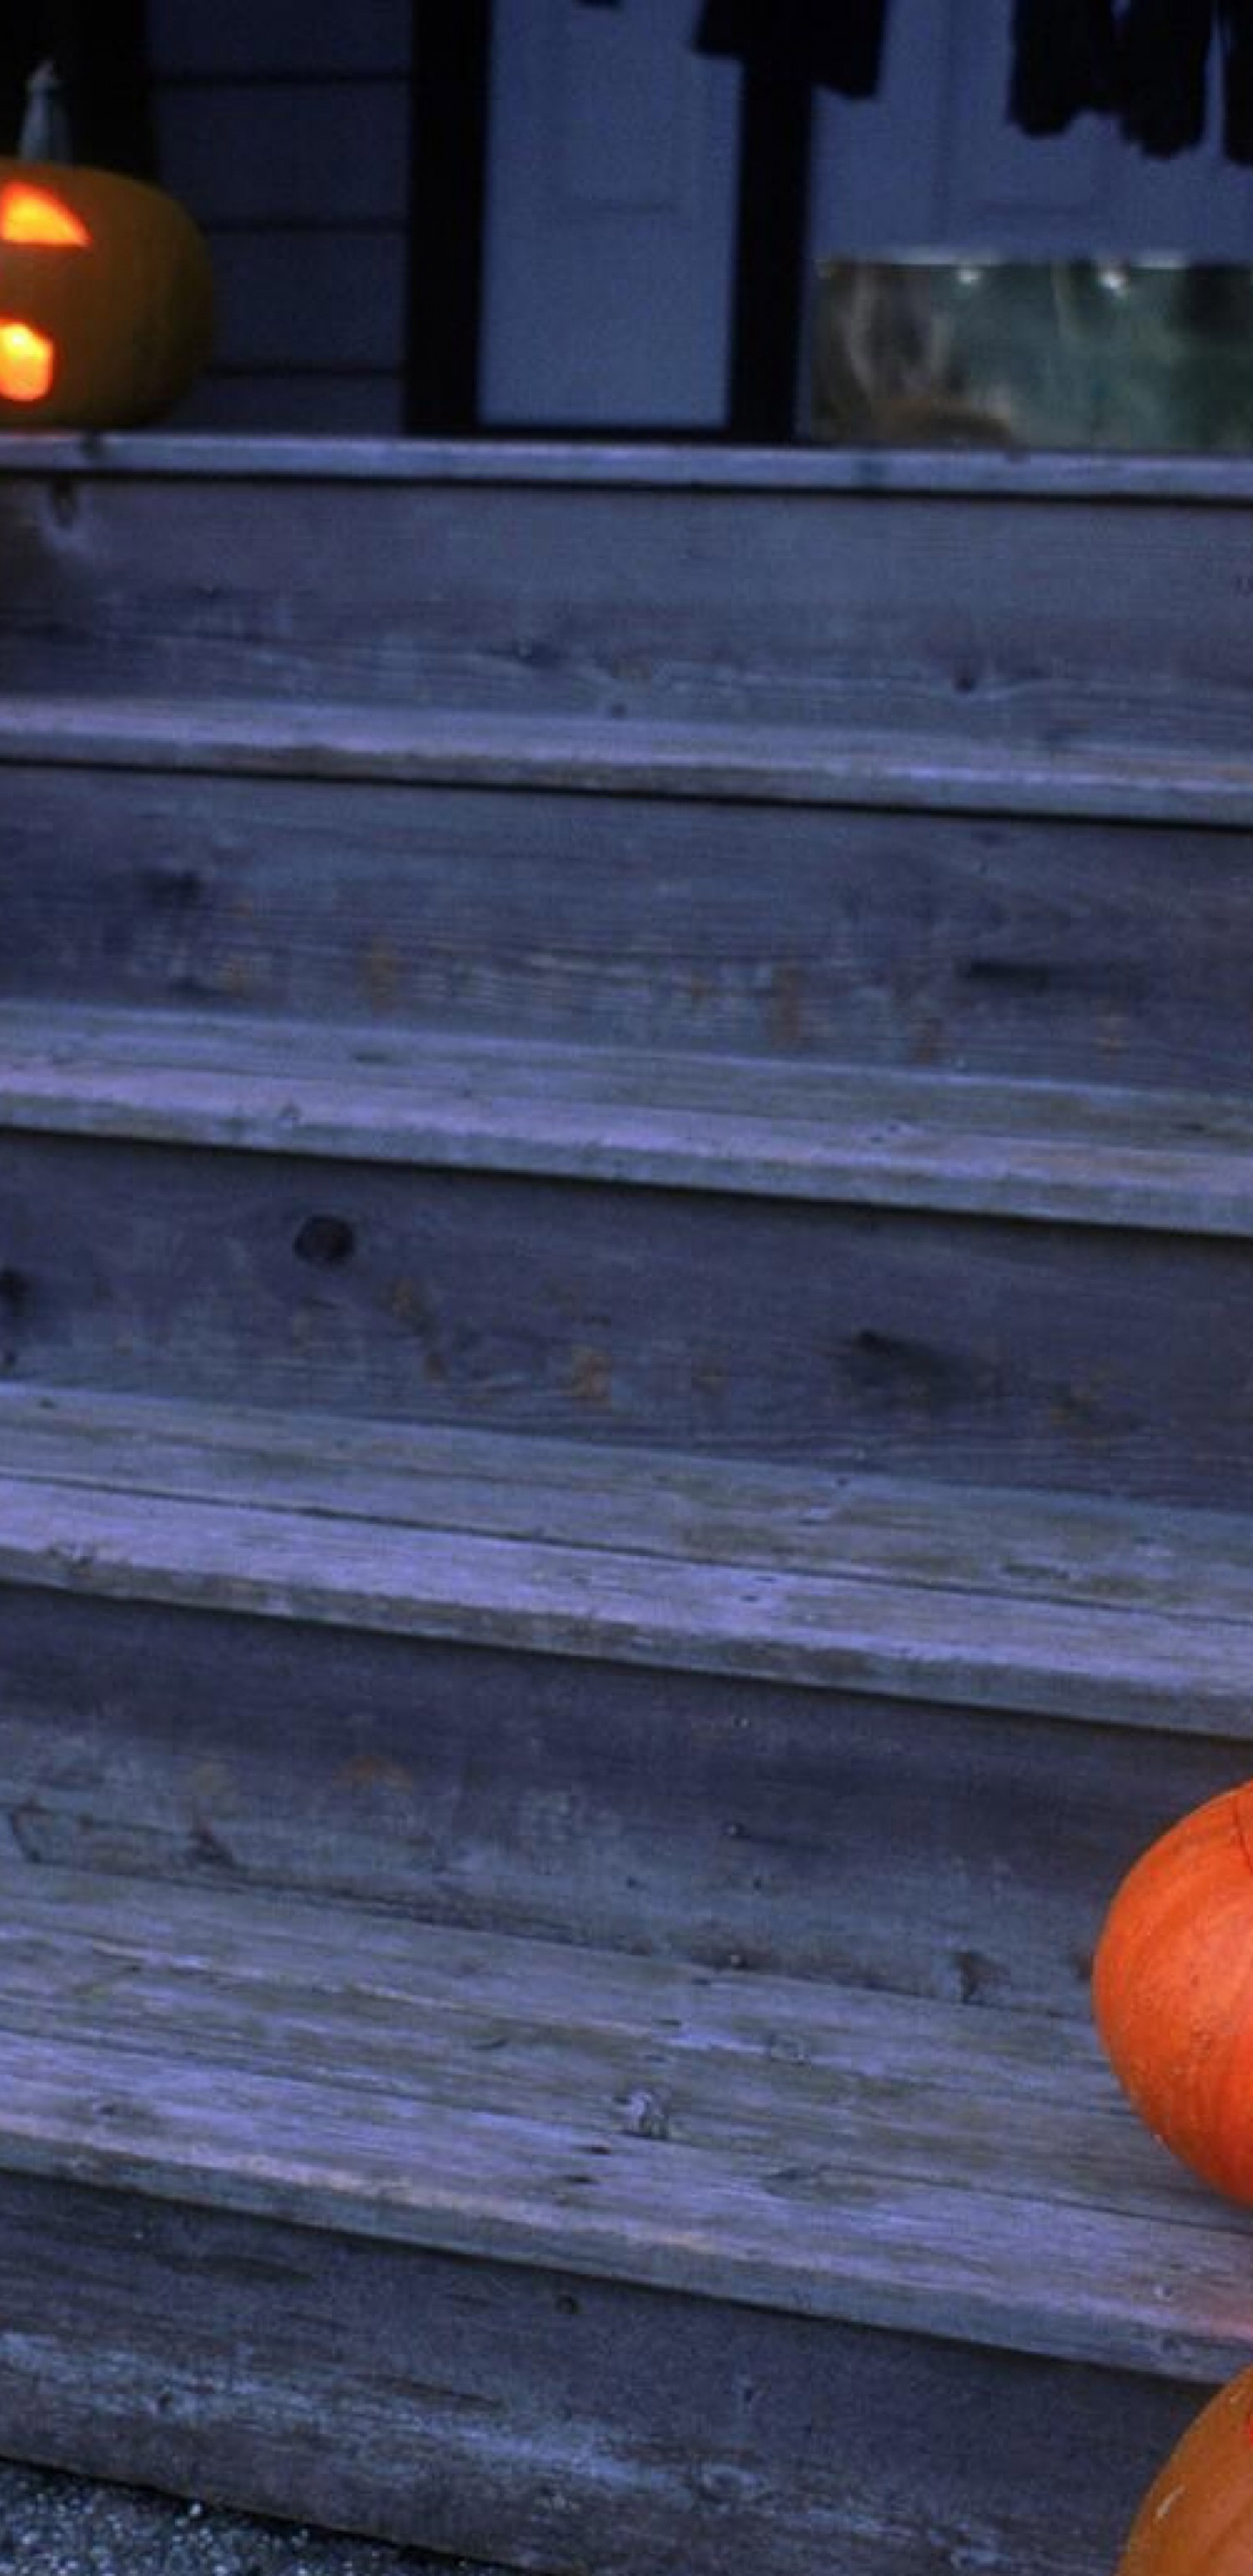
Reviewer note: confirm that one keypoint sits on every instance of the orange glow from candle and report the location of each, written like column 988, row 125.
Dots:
column 28, row 363
column 31, row 215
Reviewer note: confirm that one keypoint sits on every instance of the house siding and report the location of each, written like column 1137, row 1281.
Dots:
column 284, row 128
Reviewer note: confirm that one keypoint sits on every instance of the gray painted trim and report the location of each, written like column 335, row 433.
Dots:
column 1222, row 480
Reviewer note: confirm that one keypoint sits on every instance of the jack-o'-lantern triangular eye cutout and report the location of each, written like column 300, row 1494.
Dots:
column 29, row 214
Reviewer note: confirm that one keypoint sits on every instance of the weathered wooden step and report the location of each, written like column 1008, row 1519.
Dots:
column 347, row 2128
column 662, row 1704
column 691, row 583
column 577, row 1294
column 512, row 2099
column 638, row 884
column 1078, row 1154
column 1037, row 1602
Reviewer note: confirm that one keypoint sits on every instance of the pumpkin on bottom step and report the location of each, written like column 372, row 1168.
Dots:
column 1197, row 2518
column 1172, row 1991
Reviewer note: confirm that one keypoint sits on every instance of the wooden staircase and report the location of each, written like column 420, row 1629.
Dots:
column 626, row 1202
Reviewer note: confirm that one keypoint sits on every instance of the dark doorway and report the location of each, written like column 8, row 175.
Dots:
column 100, row 52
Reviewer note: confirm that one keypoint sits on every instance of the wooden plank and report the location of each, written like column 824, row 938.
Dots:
column 1015, row 1546
column 978, row 1349
column 545, row 2420
column 1220, row 481
column 1092, row 1155
column 991, row 1600
column 1041, row 948
column 911, row 1641
column 744, row 763
column 384, row 2002
column 739, row 604
column 607, row 2048
column 714, row 1817
column 353, row 2076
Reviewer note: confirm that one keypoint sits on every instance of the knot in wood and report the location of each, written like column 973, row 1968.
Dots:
column 325, row 1241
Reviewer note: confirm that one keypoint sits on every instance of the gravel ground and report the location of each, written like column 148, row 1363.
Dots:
column 66, row 2526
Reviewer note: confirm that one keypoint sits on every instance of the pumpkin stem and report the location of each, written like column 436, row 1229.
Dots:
column 45, row 134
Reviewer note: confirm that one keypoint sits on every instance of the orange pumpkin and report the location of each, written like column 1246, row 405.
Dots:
column 1172, row 1990
column 106, row 298
column 1197, row 2518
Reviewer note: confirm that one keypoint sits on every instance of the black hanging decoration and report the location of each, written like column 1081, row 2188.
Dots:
column 836, row 44
column 1163, row 57
column 1144, row 62
column 1237, row 45
column 1063, row 62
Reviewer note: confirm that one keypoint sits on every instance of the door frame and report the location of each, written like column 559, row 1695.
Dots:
column 449, row 148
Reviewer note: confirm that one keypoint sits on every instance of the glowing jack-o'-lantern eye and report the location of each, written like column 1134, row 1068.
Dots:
column 27, row 363
column 33, row 215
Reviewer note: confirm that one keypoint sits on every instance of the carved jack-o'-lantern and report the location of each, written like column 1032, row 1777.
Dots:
column 106, row 298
